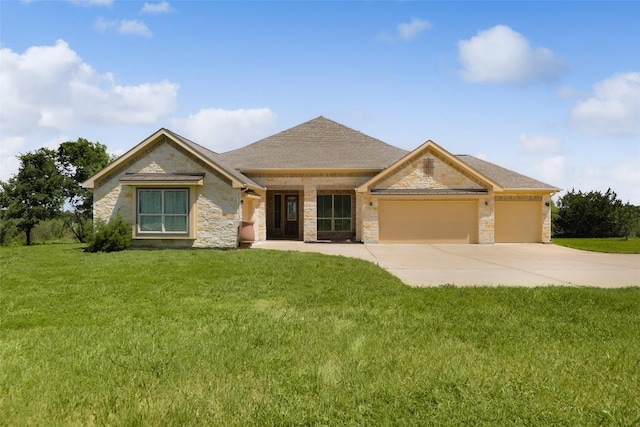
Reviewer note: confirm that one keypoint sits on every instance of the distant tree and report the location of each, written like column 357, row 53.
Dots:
column 36, row 193
column 627, row 219
column 594, row 214
column 79, row 160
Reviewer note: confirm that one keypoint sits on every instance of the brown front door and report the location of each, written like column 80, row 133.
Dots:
column 291, row 215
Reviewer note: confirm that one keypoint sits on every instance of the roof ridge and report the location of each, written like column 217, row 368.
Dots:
column 317, row 143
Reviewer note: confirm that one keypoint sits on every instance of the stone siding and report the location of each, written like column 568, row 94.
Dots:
column 369, row 209
column 546, row 218
column 308, row 185
column 217, row 205
column 486, row 220
column 412, row 175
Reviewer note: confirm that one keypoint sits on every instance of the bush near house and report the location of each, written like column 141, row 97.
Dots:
column 108, row 237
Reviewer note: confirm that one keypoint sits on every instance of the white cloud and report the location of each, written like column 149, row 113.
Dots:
column 407, row 30
column 538, row 144
column 155, row 8
column 551, row 170
column 124, row 27
column 102, row 24
column 49, row 89
column 134, row 27
column 623, row 177
column 223, row 130
column 566, row 92
column 613, row 108
column 502, row 55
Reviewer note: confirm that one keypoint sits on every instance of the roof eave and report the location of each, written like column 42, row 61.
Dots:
column 310, row 170
column 494, row 186
column 90, row 183
column 552, row 190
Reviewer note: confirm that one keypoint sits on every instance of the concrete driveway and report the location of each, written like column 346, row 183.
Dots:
column 511, row 264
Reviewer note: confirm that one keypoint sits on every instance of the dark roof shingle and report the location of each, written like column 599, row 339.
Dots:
column 504, row 177
column 317, row 144
column 214, row 157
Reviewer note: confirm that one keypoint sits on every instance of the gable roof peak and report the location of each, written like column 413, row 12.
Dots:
column 319, row 143
column 206, row 156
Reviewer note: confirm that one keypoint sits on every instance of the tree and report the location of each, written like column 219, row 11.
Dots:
column 35, row 194
column 78, row 161
column 594, row 214
column 627, row 219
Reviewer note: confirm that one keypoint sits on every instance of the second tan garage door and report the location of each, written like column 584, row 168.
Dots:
column 428, row 221
column 518, row 221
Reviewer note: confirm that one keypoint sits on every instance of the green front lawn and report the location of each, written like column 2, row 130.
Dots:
column 256, row 337
column 609, row 245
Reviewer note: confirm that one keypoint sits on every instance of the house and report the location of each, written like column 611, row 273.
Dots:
column 317, row 181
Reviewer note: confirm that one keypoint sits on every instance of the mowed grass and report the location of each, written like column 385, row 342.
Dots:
column 256, row 337
column 609, row 245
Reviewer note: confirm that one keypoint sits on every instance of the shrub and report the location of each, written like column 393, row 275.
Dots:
column 51, row 229
column 109, row 237
column 8, row 231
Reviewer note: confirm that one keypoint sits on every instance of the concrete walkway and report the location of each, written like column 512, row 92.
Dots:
column 510, row 264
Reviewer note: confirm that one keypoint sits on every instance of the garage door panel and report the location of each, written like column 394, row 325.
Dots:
column 428, row 221
column 518, row 221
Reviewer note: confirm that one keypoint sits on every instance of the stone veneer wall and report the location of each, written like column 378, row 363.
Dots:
column 412, row 175
column 546, row 218
column 217, row 205
column 254, row 210
column 486, row 219
column 369, row 218
column 309, row 184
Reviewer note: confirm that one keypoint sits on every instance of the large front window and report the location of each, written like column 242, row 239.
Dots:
column 163, row 211
column 334, row 212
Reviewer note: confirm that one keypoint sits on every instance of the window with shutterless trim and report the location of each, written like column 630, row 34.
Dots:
column 334, row 212
column 163, row 211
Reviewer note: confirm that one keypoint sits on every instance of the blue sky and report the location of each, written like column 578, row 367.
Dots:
column 549, row 89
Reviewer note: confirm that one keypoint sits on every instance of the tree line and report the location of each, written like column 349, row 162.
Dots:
column 594, row 214
column 48, row 185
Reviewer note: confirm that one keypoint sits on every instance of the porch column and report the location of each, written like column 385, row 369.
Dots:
column 546, row 218
column 486, row 220
column 369, row 211
column 310, row 232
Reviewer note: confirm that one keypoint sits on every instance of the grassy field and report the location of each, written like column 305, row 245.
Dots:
column 258, row 337
column 609, row 245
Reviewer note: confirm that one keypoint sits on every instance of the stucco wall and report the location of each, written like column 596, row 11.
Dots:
column 217, row 205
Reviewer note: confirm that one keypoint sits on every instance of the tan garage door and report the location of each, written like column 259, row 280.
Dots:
column 428, row 221
column 518, row 222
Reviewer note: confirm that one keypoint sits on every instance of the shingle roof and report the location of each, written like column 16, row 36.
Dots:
column 214, row 158
column 506, row 178
column 317, row 144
